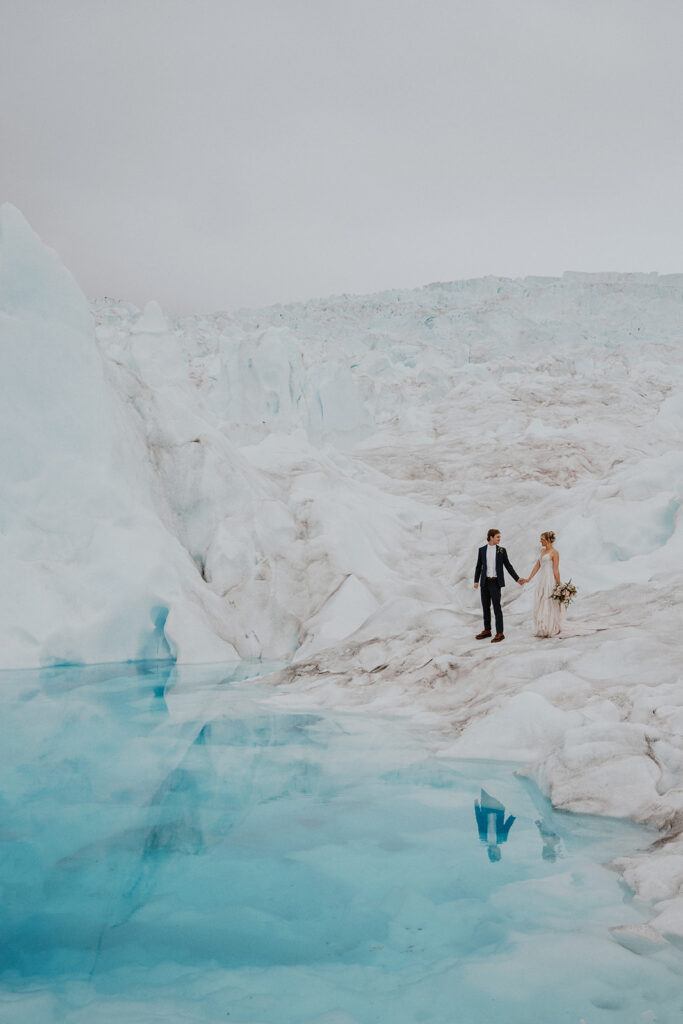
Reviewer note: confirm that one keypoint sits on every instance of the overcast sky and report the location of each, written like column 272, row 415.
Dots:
column 214, row 154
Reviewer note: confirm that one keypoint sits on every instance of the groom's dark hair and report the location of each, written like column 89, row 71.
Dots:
column 492, row 533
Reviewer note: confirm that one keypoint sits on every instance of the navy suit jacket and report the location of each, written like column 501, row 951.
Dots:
column 502, row 826
column 501, row 560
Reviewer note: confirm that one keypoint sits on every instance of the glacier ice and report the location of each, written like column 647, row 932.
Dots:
column 89, row 572
column 310, row 482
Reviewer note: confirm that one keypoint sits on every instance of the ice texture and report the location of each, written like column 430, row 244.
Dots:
column 311, row 482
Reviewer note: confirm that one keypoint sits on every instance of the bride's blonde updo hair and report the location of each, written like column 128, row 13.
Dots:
column 549, row 536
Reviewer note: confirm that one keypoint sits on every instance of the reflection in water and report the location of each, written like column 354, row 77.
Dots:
column 493, row 828
column 552, row 848
column 546, row 823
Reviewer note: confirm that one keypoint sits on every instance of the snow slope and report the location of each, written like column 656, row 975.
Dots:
column 312, row 481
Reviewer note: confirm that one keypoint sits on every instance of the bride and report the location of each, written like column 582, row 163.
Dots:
column 547, row 612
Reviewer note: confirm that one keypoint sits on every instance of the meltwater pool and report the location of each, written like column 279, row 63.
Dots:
column 174, row 847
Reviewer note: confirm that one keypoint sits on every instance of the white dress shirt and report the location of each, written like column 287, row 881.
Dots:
column 491, row 560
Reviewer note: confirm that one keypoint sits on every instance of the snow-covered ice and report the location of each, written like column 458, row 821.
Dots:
column 310, row 482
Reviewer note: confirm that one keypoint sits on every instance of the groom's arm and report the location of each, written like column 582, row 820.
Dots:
column 505, row 828
column 477, row 569
column 508, row 566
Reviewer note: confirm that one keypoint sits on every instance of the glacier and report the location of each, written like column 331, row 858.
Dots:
column 309, row 483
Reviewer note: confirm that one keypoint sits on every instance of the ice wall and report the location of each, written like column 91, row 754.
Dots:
column 88, row 571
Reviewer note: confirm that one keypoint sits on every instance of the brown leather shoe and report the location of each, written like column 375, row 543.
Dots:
column 484, row 633
column 498, row 637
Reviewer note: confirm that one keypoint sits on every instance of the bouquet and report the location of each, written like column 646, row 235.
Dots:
column 564, row 593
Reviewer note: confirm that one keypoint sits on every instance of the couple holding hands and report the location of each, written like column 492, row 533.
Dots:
column 489, row 578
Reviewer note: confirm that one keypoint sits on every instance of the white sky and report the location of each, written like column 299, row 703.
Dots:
column 214, row 154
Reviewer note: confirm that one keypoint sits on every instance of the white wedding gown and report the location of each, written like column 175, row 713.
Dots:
column 547, row 613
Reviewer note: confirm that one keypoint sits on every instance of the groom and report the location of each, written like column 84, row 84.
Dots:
column 489, row 568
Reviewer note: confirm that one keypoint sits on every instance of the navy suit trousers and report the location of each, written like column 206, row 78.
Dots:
column 490, row 594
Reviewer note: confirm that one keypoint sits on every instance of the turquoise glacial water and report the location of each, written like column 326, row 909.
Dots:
column 176, row 846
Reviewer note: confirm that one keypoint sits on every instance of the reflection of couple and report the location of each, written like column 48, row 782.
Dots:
column 493, row 828
column 492, row 559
